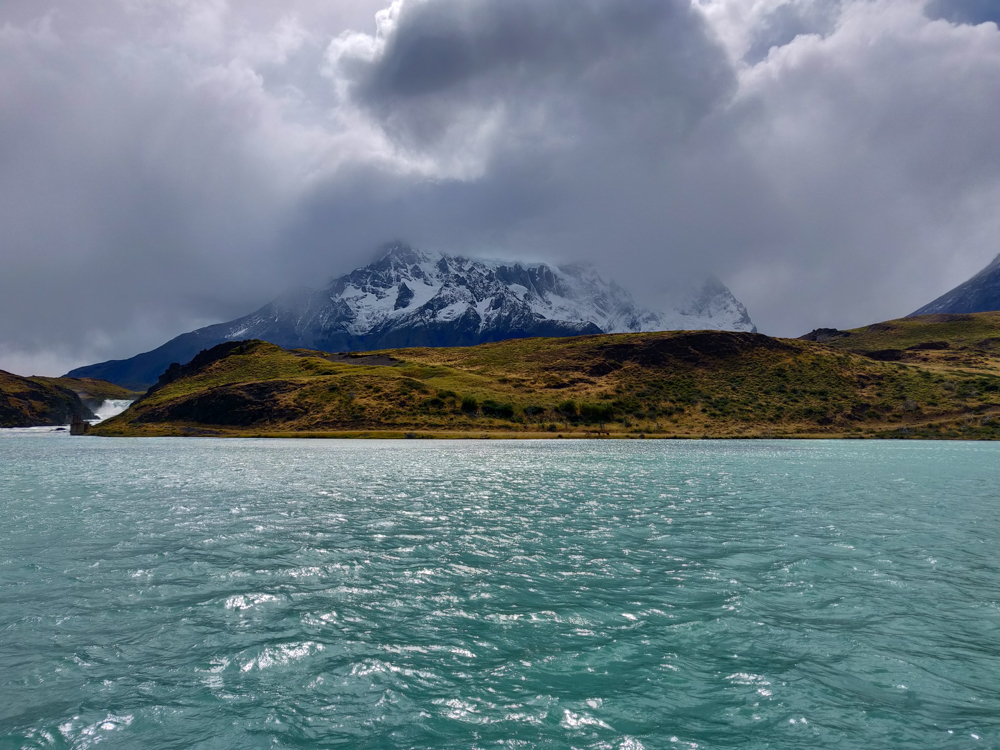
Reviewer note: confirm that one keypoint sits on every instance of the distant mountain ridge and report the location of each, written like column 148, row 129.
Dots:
column 410, row 297
column 981, row 293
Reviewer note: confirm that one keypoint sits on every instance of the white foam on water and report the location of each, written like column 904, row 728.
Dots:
column 58, row 430
column 110, row 408
column 575, row 721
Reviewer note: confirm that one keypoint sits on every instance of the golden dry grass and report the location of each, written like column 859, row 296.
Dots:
column 671, row 384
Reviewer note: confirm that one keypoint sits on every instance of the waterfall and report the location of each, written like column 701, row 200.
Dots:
column 110, row 408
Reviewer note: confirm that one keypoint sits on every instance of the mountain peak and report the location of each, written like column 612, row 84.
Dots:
column 402, row 252
column 410, row 297
column 992, row 267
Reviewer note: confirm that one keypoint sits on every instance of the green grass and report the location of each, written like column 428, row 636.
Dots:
column 668, row 384
column 29, row 402
column 92, row 390
column 972, row 341
column 957, row 330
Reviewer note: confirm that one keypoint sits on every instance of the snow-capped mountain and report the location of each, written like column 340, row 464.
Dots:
column 410, row 297
column 981, row 293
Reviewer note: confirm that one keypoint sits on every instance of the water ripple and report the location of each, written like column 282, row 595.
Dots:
column 625, row 595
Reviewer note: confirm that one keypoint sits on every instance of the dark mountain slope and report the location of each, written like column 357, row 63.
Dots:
column 981, row 293
column 141, row 371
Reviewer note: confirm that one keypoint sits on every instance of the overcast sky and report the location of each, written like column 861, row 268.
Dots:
column 165, row 164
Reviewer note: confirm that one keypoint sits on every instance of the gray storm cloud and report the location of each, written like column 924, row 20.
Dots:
column 169, row 164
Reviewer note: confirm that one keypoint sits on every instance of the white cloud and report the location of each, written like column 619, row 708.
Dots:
column 164, row 164
column 876, row 143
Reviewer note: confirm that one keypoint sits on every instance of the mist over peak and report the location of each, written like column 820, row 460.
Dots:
column 410, row 297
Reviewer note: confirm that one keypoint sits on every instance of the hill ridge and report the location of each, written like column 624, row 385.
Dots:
column 667, row 384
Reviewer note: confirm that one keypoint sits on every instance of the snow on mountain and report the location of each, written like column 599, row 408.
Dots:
column 981, row 293
column 410, row 297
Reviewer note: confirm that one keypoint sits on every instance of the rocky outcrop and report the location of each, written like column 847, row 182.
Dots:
column 822, row 335
column 239, row 405
column 26, row 402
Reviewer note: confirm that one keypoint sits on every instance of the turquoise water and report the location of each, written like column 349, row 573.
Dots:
column 289, row 594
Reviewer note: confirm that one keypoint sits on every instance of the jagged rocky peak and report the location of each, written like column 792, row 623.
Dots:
column 502, row 299
column 715, row 303
column 401, row 265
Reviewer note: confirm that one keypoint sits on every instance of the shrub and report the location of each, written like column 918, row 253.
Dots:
column 532, row 411
column 407, row 385
column 597, row 412
column 567, row 408
column 434, row 403
column 496, row 409
column 628, row 404
column 470, row 405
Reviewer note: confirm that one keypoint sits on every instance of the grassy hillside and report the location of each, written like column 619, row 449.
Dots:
column 29, row 402
column 687, row 384
column 92, row 391
column 938, row 342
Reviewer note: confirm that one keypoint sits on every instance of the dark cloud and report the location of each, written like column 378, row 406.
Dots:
column 117, row 195
column 965, row 11
column 825, row 180
column 164, row 165
column 484, row 52
column 555, row 126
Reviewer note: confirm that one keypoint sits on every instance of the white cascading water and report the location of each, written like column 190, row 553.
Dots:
column 110, row 408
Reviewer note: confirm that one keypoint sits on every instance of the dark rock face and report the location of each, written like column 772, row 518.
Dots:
column 822, row 335
column 694, row 348
column 408, row 298
column 78, row 426
column 981, row 293
column 241, row 405
column 27, row 403
column 404, row 297
column 930, row 345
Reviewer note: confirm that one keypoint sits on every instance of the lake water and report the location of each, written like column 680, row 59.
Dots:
column 183, row 593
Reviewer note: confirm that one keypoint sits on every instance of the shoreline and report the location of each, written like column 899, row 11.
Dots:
column 379, row 434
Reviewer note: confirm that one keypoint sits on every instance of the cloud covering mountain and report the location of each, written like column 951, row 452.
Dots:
column 410, row 297
column 165, row 164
